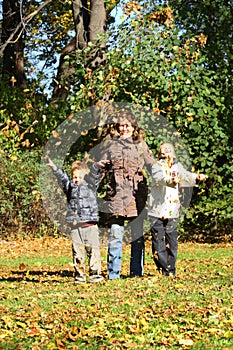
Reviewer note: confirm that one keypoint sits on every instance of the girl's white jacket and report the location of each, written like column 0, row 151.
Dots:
column 164, row 201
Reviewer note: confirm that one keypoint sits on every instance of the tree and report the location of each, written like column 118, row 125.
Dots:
column 13, row 57
column 25, row 25
column 213, row 18
column 148, row 60
column 90, row 23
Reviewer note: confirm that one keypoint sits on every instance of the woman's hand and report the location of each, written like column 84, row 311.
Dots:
column 101, row 163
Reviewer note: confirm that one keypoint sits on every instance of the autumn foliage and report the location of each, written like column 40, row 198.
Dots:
column 41, row 308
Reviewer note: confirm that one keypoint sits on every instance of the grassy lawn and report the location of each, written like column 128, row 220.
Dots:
column 41, row 308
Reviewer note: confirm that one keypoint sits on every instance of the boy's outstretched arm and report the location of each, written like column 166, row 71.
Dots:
column 62, row 177
column 50, row 163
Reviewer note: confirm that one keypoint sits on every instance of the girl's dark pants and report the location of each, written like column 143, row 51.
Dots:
column 165, row 244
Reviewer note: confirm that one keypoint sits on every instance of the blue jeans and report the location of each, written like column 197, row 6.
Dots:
column 164, row 244
column 115, row 248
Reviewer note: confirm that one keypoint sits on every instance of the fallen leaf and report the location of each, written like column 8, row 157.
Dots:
column 186, row 342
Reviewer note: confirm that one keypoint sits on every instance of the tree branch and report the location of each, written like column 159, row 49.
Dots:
column 20, row 27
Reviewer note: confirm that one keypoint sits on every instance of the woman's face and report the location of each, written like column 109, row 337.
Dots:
column 126, row 129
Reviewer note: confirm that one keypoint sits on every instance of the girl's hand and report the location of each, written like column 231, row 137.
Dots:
column 202, row 177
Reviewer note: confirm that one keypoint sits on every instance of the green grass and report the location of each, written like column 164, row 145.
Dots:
column 41, row 308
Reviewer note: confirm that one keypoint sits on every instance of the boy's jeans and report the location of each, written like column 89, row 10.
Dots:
column 164, row 244
column 115, row 250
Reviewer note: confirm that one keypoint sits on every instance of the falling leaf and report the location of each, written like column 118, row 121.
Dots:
column 55, row 134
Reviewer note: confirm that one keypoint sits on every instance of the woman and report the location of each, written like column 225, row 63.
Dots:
column 126, row 192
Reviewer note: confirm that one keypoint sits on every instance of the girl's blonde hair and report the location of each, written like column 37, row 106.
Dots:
column 169, row 146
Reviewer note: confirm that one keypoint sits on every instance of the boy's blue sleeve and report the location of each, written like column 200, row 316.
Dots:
column 93, row 177
column 62, row 179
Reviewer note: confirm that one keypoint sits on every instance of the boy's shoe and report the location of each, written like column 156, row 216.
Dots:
column 79, row 279
column 96, row 278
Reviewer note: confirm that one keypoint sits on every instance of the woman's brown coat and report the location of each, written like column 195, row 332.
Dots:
column 126, row 191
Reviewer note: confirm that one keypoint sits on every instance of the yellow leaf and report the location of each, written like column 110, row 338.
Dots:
column 140, row 338
column 228, row 335
column 6, row 334
column 186, row 342
column 21, row 324
column 143, row 322
column 213, row 330
column 51, row 346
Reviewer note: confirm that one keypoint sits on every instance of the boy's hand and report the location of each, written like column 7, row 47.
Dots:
column 50, row 163
column 202, row 177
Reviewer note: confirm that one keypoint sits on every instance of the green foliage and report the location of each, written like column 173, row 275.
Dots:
column 22, row 212
column 26, row 119
column 152, row 64
column 214, row 19
column 26, row 123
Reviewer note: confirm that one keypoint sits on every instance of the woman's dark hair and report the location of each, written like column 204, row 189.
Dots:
column 111, row 129
column 127, row 114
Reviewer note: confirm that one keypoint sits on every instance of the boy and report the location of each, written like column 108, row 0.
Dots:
column 82, row 215
column 164, row 205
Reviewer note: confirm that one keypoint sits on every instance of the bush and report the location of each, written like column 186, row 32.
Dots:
column 22, row 211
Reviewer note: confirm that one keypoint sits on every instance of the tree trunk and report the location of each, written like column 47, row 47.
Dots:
column 88, row 23
column 64, row 73
column 66, row 68
column 81, row 20
column 97, row 26
column 13, row 61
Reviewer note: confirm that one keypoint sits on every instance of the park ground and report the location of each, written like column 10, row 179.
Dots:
column 42, row 308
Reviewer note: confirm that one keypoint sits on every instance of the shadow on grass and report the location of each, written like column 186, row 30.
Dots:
column 37, row 276
column 44, row 276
